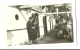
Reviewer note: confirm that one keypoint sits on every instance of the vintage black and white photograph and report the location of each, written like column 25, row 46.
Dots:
column 39, row 24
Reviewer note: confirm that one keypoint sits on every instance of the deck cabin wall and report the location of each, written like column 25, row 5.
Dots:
column 16, row 37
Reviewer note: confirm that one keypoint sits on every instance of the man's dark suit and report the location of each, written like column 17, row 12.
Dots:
column 30, row 30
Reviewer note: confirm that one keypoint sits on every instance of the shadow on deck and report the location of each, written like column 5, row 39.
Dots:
column 50, row 38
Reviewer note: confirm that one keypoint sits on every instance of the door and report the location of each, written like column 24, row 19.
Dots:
column 45, row 25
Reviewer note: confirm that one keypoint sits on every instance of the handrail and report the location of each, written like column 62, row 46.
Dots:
column 20, row 29
column 16, row 29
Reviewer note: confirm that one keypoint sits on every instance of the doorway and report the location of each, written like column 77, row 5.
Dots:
column 45, row 25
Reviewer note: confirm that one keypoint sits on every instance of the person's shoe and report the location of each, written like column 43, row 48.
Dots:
column 34, row 42
column 29, row 43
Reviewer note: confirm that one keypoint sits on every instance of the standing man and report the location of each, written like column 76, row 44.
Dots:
column 30, row 27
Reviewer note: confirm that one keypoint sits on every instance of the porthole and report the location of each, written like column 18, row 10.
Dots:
column 16, row 17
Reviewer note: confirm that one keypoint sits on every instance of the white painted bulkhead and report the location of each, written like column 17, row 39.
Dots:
column 48, row 24
column 41, row 27
column 11, row 24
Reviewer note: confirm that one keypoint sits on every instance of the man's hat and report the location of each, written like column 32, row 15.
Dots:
column 30, row 18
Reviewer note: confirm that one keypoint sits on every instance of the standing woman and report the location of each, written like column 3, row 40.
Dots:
column 35, row 32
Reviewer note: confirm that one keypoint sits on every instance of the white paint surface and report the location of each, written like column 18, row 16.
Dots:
column 48, row 24
column 11, row 23
column 41, row 24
